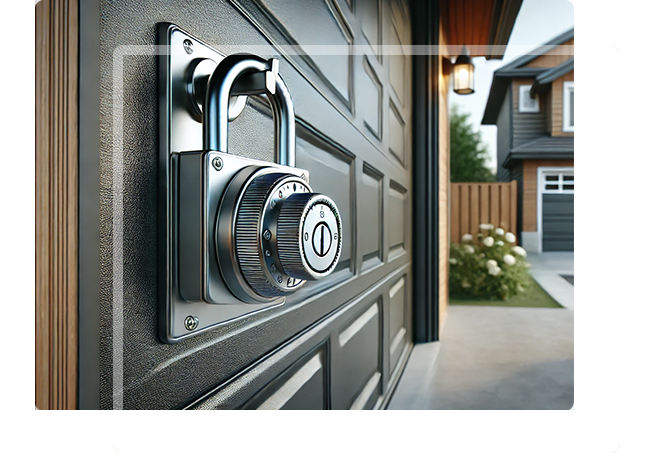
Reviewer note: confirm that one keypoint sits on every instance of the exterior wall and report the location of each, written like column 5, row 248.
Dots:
column 556, row 117
column 504, row 125
column 526, row 126
column 353, row 331
column 517, row 175
column 444, row 179
column 529, row 189
column 550, row 61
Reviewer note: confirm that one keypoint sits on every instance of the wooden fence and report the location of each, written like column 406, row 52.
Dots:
column 473, row 203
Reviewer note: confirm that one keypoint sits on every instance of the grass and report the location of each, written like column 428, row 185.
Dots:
column 535, row 296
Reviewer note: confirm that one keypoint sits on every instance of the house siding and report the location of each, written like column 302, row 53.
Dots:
column 504, row 124
column 557, row 106
column 517, row 175
column 444, row 161
column 526, row 126
column 529, row 189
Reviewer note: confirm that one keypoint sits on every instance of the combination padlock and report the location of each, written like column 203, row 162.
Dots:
column 246, row 228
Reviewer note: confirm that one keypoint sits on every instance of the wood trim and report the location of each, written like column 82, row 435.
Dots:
column 530, row 200
column 56, row 203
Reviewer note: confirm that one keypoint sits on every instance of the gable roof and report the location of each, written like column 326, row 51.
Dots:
column 552, row 74
column 503, row 75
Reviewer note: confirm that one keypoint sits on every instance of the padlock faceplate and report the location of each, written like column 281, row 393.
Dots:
column 200, row 189
column 181, row 132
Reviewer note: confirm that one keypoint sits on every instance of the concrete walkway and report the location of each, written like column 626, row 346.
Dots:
column 499, row 358
column 547, row 269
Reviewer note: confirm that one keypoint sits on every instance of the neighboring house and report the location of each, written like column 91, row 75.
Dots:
column 532, row 102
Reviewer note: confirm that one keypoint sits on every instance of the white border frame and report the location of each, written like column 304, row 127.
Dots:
column 540, row 170
column 566, row 106
column 527, row 87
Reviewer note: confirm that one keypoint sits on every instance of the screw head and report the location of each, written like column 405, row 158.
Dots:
column 303, row 176
column 217, row 163
column 191, row 323
column 188, row 46
column 267, row 235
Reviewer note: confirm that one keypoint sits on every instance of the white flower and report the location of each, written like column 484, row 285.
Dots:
column 519, row 250
column 469, row 248
column 508, row 259
column 494, row 271
column 491, row 263
column 500, row 243
column 486, row 226
column 452, row 261
column 509, row 237
column 488, row 241
column 500, row 231
column 467, row 238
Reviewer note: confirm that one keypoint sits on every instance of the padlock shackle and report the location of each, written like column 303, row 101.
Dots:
column 220, row 88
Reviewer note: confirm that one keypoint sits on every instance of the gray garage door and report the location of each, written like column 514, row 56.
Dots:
column 339, row 343
column 558, row 212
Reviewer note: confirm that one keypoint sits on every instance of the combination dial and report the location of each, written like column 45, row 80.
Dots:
column 278, row 232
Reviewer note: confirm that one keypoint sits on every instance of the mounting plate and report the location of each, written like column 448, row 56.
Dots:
column 181, row 131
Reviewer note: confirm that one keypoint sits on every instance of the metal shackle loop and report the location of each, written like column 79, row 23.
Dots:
column 226, row 81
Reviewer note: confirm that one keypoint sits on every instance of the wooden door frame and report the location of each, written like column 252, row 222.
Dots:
column 56, row 203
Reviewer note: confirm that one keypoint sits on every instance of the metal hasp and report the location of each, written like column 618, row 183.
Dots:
column 241, row 233
column 229, row 79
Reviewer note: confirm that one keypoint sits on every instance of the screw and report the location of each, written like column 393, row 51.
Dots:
column 188, row 46
column 191, row 323
column 268, row 253
column 217, row 163
column 267, row 235
column 303, row 176
column 279, row 278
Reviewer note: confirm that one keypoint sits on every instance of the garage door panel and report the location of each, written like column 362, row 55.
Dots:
column 558, row 222
column 356, row 356
column 357, row 149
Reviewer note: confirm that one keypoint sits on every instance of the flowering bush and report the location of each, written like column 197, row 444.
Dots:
column 491, row 266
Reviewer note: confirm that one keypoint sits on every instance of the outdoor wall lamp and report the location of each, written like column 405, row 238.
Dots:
column 463, row 74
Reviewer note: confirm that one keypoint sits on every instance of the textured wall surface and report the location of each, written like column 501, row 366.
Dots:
column 360, row 142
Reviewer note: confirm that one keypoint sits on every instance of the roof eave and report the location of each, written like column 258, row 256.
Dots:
column 504, row 15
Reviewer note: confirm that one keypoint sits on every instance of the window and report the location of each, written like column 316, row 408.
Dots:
column 527, row 104
column 569, row 106
column 558, row 182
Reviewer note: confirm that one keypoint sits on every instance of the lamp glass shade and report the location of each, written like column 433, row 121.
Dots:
column 463, row 75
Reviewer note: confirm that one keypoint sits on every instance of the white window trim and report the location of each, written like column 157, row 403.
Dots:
column 566, row 105
column 521, row 90
column 540, row 190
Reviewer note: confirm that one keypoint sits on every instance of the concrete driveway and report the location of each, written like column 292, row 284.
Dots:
column 499, row 358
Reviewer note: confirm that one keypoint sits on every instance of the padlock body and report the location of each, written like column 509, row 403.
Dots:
column 199, row 181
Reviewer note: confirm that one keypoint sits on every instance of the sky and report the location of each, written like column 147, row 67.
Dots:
column 538, row 21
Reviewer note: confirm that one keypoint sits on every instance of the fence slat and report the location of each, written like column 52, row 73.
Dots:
column 475, row 203
column 455, row 214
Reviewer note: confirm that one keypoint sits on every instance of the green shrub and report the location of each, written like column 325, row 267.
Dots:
column 488, row 266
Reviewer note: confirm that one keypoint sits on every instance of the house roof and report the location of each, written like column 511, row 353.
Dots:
column 543, row 147
column 546, row 77
column 517, row 69
column 484, row 26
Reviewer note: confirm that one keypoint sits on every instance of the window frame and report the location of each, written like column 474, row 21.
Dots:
column 568, row 86
column 527, row 88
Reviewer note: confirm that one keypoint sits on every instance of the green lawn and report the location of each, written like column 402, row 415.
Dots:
column 535, row 296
